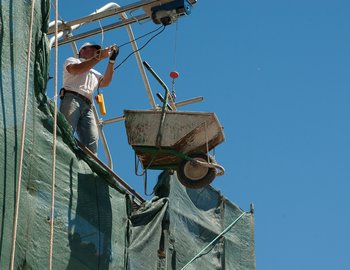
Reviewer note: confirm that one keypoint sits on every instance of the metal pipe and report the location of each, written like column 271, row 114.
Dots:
column 105, row 28
column 214, row 240
column 168, row 95
column 60, row 34
column 139, row 63
column 188, row 101
column 139, row 200
column 113, row 120
column 103, row 138
column 107, row 10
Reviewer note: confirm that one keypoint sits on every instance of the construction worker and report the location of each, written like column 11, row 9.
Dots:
column 80, row 81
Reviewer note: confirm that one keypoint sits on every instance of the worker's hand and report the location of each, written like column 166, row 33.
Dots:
column 114, row 52
column 102, row 53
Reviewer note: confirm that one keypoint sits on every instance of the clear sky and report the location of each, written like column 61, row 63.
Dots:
column 276, row 73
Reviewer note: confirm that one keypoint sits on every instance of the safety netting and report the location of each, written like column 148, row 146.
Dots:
column 190, row 229
column 96, row 223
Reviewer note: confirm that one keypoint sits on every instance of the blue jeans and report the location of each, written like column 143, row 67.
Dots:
column 80, row 115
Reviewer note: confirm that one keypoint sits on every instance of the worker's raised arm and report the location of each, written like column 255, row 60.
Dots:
column 108, row 76
column 85, row 66
column 82, row 67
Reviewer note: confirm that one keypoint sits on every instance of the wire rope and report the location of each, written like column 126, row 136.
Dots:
column 122, row 62
column 142, row 36
column 175, row 43
column 24, row 119
column 139, row 49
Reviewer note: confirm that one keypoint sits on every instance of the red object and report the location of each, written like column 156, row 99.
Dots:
column 174, row 74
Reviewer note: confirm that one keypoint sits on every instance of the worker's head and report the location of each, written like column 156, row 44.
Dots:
column 88, row 50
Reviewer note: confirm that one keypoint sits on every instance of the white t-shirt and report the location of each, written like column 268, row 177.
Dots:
column 85, row 83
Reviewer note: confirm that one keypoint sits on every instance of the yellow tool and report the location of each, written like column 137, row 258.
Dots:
column 101, row 103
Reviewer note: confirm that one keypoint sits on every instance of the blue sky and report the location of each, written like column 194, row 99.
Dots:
column 276, row 73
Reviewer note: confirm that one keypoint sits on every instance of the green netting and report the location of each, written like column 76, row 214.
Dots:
column 194, row 218
column 94, row 227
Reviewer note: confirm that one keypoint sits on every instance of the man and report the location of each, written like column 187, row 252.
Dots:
column 80, row 81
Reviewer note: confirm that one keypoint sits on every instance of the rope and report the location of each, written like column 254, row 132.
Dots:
column 102, row 33
column 216, row 238
column 173, row 94
column 54, row 7
column 24, row 118
column 175, row 43
column 54, row 140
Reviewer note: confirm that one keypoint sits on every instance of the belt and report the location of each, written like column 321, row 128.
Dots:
column 87, row 100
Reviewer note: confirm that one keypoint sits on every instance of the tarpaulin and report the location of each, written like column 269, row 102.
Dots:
column 178, row 223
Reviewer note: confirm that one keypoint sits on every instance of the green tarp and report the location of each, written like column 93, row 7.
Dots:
column 185, row 222
column 96, row 225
